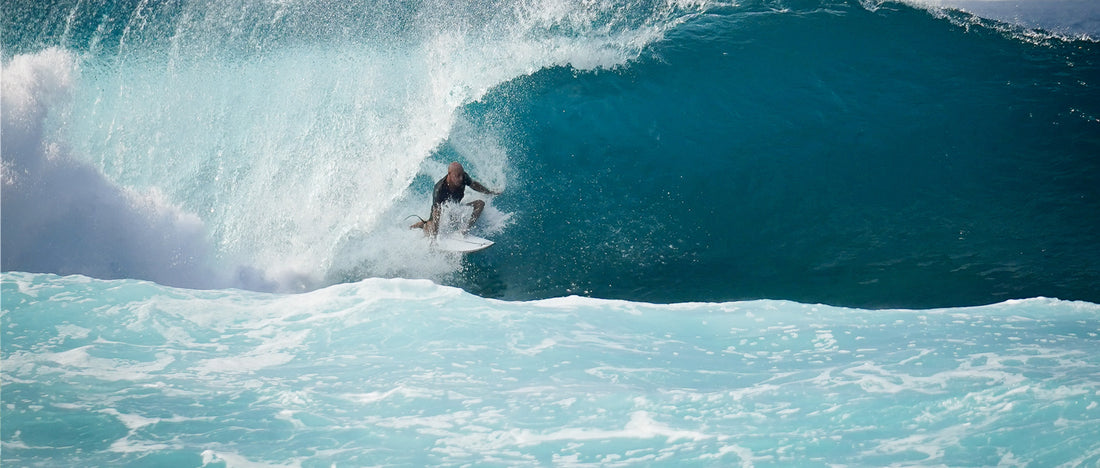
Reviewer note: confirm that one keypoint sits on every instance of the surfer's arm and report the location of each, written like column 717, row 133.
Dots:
column 481, row 188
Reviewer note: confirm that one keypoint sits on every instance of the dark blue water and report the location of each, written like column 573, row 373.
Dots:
column 825, row 153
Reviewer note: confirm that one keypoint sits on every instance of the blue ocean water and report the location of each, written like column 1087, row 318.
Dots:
column 823, row 156
column 206, row 259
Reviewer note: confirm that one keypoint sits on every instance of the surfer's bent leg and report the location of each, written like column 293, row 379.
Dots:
column 479, row 206
column 431, row 228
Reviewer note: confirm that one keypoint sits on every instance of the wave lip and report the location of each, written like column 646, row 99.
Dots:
column 1075, row 19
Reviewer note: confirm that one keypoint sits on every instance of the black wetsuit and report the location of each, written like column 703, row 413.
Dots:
column 443, row 193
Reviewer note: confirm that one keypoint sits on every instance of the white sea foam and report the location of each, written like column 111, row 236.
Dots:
column 409, row 372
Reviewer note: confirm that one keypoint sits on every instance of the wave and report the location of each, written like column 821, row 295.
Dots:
column 243, row 113
column 869, row 157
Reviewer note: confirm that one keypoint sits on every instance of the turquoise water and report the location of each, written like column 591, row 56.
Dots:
column 870, row 155
column 206, row 258
column 409, row 373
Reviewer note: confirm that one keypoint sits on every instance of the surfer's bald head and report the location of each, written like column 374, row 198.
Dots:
column 455, row 174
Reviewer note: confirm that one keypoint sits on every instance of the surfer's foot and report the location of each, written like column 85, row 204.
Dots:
column 418, row 225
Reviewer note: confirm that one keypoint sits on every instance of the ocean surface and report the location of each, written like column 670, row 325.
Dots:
column 808, row 233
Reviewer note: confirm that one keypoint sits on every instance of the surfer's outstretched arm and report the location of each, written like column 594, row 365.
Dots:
column 481, row 188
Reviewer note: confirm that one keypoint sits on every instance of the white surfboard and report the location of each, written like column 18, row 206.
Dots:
column 457, row 242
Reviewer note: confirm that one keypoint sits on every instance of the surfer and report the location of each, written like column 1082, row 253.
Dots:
column 451, row 189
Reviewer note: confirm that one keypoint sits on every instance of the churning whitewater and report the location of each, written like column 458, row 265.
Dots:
column 409, row 373
column 207, row 261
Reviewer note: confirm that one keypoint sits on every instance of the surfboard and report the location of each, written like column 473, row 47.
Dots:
column 457, row 242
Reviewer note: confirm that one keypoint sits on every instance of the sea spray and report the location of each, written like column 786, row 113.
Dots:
column 290, row 128
column 60, row 213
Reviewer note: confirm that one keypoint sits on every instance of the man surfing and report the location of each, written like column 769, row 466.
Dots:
column 451, row 189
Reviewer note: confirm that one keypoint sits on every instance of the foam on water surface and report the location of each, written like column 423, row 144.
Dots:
column 667, row 151
column 408, row 372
